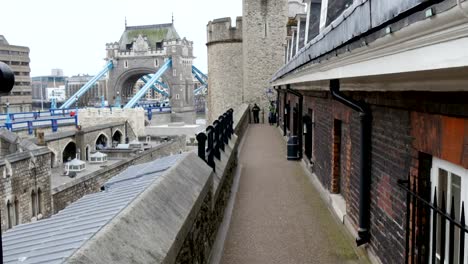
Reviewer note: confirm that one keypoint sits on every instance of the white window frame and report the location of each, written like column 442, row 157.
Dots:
column 451, row 169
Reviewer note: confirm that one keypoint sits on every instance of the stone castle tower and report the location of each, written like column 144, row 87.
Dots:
column 242, row 59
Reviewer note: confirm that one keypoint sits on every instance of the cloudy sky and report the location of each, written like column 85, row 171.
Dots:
column 71, row 34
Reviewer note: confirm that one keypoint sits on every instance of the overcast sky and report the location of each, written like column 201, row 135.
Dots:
column 71, row 34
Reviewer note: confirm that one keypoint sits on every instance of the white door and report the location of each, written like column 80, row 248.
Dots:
column 452, row 181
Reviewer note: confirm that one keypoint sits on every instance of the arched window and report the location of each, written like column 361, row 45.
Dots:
column 33, row 203
column 87, row 153
column 101, row 142
column 117, row 137
column 39, row 201
column 17, row 217
column 9, row 214
column 69, row 152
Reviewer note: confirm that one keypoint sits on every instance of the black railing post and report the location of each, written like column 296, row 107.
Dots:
column 226, row 134
column 451, row 232
column 462, row 234
column 434, row 229
column 413, row 224
column 221, row 132
column 216, row 126
column 201, row 138
column 210, row 150
column 231, row 123
column 442, row 230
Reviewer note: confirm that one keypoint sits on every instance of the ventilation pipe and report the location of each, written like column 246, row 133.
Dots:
column 364, row 161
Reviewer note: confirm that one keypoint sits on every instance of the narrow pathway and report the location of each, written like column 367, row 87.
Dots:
column 278, row 217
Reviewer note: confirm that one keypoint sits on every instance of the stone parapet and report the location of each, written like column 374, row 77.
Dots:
column 221, row 31
column 175, row 220
column 96, row 116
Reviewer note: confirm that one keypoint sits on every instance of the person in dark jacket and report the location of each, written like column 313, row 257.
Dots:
column 255, row 111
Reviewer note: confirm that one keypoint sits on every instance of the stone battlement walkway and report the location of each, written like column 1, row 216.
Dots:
column 278, row 217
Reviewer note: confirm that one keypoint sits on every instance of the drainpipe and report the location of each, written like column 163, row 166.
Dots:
column 277, row 106
column 364, row 161
column 299, row 117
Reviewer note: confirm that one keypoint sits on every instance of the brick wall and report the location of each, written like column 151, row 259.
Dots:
column 404, row 125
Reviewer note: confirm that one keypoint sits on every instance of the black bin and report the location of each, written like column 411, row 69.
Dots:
column 293, row 148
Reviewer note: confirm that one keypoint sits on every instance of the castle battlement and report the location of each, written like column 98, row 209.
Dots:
column 179, row 42
column 220, row 30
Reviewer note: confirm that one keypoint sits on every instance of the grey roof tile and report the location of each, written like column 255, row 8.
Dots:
column 55, row 239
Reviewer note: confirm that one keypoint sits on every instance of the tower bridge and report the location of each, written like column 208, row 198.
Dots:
column 158, row 50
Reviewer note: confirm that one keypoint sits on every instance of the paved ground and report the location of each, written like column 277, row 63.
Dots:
column 278, row 216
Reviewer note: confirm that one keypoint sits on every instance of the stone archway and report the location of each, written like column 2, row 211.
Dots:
column 123, row 82
column 117, row 137
column 69, row 152
column 87, row 152
column 101, row 142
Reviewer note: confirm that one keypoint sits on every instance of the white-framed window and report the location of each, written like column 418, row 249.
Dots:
column 449, row 180
column 156, row 63
column 126, row 64
column 177, row 96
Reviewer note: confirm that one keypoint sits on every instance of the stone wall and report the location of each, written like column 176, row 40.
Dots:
column 224, row 66
column 175, row 220
column 263, row 33
column 47, row 130
column 21, row 175
column 72, row 191
column 97, row 116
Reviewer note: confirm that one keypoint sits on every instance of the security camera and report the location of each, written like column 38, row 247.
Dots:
column 7, row 79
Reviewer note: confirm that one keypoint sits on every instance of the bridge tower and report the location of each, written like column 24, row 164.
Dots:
column 142, row 50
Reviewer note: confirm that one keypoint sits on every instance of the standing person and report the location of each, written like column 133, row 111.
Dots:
column 272, row 115
column 255, row 110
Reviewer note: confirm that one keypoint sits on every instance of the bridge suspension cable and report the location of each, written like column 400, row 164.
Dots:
column 87, row 86
column 146, row 79
column 202, row 78
column 148, row 85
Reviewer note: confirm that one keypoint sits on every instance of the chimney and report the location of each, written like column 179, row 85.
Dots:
column 40, row 138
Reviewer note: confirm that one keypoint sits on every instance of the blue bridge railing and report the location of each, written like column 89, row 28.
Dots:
column 154, row 110
column 30, row 125
column 37, row 114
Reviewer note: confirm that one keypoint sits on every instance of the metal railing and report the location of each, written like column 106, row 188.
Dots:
column 152, row 110
column 32, row 124
column 211, row 143
column 37, row 114
column 434, row 233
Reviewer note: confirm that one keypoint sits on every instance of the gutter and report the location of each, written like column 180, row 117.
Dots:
column 364, row 159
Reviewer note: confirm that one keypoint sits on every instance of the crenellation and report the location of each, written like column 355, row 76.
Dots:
column 220, row 30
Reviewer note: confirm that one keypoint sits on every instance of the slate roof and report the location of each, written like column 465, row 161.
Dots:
column 55, row 239
column 356, row 28
column 154, row 34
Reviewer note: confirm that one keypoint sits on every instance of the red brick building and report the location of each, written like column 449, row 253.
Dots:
column 378, row 96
